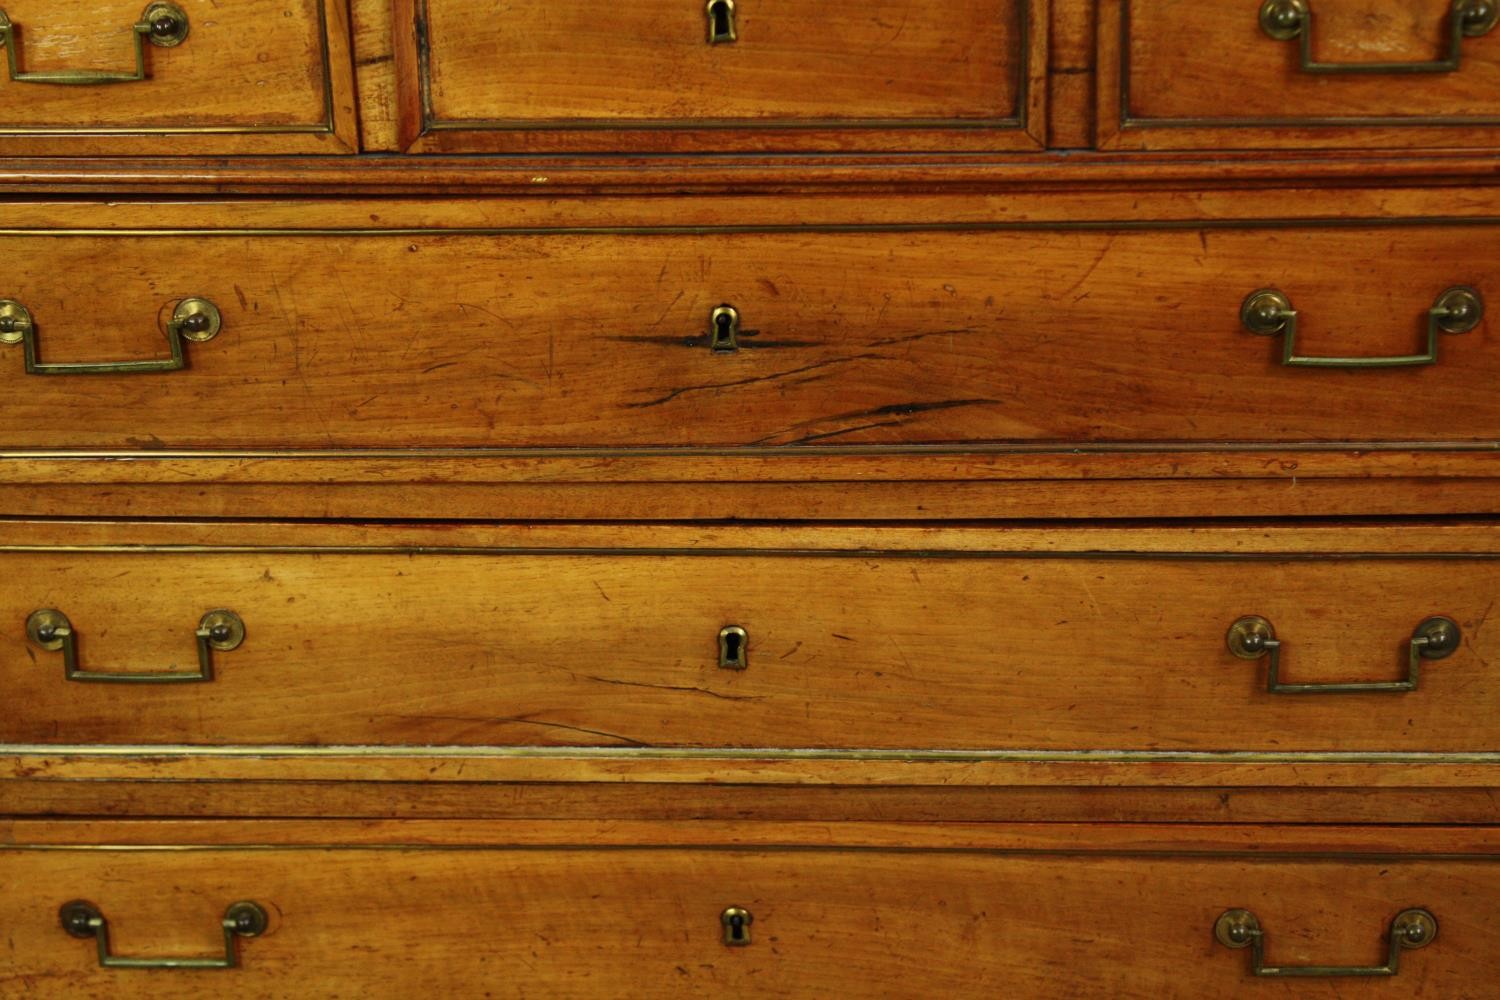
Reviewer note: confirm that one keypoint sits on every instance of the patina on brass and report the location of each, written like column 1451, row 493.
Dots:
column 164, row 25
column 195, row 319
column 733, row 643
column 736, row 921
column 721, row 26
column 1285, row 20
column 724, row 330
column 241, row 920
column 218, row 630
column 1268, row 312
column 1253, row 637
column 1410, row 929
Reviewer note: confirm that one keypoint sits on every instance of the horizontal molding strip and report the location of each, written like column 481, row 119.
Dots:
column 756, row 754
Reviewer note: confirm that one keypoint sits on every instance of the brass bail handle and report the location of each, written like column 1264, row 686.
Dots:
column 195, row 319
column 218, row 631
column 241, row 920
column 1253, row 637
column 1268, row 312
column 1285, row 20
column 164, row 25
column 1409, row 930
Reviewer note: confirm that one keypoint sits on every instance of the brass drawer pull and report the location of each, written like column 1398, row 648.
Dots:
column 1284, row 20
column 194, row 319
column 162, row 24
column 241, row 920
column 1268, row 312
column 1410, row 929
column 1252, row 637
column 218, row 630
column 721, row 26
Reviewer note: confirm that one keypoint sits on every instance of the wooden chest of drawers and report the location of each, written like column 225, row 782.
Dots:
column 746, row 496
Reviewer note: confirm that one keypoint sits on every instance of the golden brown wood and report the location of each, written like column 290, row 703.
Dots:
column 504, row 757
column 321, row 801
column 872, row 338
column 1273, row 841
column 375, row 74
column 851, row 645
column 1070, row 76
column 1184, row 74
column 889, row 75
column 252, row 77
column 642, row 920
column 675, row 501
column 1024, row 769
column 737, row 802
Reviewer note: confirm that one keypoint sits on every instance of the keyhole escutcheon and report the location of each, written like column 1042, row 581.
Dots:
column 721, row 27
column 724, row 330
column 733, row 653
column 736, row 921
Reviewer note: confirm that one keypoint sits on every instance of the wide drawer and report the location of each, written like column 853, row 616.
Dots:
column 84, row 77
column 748, row 339
column 748, row 639
column 523, row 910
column 728, row 75
column 1357, row 74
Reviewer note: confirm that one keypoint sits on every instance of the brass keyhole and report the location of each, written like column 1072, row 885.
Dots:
column 736, row 921
column 724, row 330
column 721, row 27
column 733, row 641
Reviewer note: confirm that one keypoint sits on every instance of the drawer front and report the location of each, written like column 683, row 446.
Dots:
column 647, row 921
column 746, row 75
column 752, row 648
column 1356, row 74
column 844, row 338
column 82, row 77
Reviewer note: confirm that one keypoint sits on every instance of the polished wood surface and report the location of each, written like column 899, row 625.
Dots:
column 892, row 74
column 873, row 338
column 252, row 77
column 1175, row 74
column 882, row 648
column 642, row 917
column 993, row 471
column 734, row 804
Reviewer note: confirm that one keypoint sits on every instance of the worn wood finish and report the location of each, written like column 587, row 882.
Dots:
column 890, row 75
column 676, row 501
column 252, row 77
column 599, row 645
column 913, row 919
column 1088, row 192
column 1434, row 774
column 729, row 803
column 848, row 338
column 1176, row 74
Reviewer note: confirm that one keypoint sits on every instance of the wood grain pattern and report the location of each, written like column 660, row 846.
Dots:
column 961, row 921
column 1175, row 74
column 848, row 338
column 672, row 501
column 326, row 802
column 894, row 74
column 257, row 77
column 923, row 649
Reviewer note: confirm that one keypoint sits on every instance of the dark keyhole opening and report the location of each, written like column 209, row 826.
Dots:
column 737, row 928
column 724, row 333
column 720, row 13
column 732, row 651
